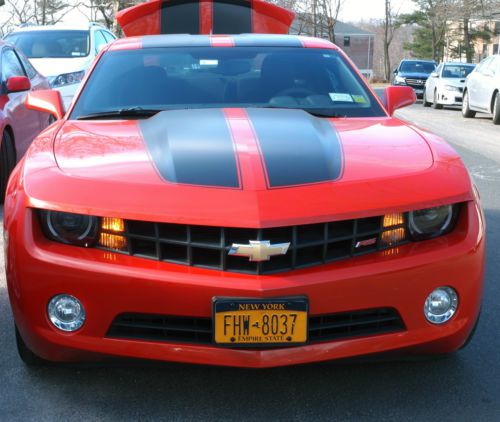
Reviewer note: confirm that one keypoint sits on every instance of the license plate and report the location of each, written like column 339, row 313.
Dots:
column 258, row 322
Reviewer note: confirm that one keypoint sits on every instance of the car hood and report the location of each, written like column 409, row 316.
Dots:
column 244, row 168
column 53, row 67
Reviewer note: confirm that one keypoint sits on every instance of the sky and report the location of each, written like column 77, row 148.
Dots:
column 352, row 10
column 363, row 10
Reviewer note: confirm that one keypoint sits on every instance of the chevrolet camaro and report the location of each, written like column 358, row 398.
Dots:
column 239, row 200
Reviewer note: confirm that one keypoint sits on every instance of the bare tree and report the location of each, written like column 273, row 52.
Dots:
column 390, row 26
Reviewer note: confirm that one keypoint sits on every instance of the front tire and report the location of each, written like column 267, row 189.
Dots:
column 496, row 109
column 466, row 111
column 425, row 103
column 26, row 354
column 7, row 162
column 435, row 104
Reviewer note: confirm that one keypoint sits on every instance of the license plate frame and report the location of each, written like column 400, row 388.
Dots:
column 295, row 304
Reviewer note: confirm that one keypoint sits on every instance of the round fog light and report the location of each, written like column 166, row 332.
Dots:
column 66, row 312
column 441, row 305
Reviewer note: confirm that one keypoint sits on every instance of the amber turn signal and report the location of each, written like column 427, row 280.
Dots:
column 394, row 230
column 111, row 234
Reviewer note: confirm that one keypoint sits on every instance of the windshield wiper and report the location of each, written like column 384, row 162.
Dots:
column 124, row 112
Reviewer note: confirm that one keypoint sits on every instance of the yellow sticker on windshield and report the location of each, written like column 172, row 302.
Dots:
column 359, row 99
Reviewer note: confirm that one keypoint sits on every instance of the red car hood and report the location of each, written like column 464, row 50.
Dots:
column 253, row 169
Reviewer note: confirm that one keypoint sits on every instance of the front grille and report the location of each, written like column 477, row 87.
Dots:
column 199, row 330
column 208, row 247
column 415, row 82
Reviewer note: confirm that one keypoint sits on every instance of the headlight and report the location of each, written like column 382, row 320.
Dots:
column 400, row 80
column 452, row 88
column 67, row 79
column 75, row 229
column 431, row 222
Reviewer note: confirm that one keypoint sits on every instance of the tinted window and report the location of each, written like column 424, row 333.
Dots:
column 169, row 78
column 11, row 66
column 100, row 41
column 51, row 44
column 456, row 71
column 109, row 37
column 28, row 67
column 417, row 67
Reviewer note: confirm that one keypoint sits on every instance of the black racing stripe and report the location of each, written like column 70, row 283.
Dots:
column 180, row 17
column 297, row 148
column 232, row 17
column 192, row 147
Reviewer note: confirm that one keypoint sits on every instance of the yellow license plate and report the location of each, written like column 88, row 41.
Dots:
column 258, row 322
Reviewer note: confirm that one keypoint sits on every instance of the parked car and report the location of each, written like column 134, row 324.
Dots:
column 62, row 53
column 239, row 200
column 18, row 124
column 413, row 73
column 445, row 86
column 482, row 89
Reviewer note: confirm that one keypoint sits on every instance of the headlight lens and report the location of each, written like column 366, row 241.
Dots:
column 431, row 222
column 75, row 229
column 451, row 88
column 400, row 80
column 67, row 79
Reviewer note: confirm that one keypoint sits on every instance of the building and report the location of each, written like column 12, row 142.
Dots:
column 356, row 42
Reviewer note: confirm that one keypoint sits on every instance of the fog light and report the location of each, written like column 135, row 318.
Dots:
column 66, row 312
column 441, row 305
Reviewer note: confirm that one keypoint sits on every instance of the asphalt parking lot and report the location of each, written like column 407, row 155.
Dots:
column 464, row 386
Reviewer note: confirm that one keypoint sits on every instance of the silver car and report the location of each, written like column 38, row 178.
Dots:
column 445, row 85
column 482, row 89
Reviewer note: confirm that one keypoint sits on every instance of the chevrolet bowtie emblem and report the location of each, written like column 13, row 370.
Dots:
column 259, row 250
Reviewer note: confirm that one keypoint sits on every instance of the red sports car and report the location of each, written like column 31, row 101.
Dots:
column 238, row 200
column 18, row 125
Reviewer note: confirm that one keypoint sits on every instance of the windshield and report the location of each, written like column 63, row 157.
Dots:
column 199, row 77
column 417, row 67
column 51, row 44
column 456, row 71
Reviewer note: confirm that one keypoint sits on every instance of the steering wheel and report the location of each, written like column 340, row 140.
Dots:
column 295, row 92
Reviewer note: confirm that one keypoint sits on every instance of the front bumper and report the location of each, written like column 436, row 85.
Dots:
column 109, row 284
column 450, row 98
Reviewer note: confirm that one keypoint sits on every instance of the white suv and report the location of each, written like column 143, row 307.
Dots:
column 62, row 53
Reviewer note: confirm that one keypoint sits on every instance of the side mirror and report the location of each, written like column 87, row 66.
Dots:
column 46, row 100
column 397, row 97
column 395, row 71
column 18, row 84
column 434, row 75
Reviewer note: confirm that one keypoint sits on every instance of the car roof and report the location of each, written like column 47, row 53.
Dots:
column 56, row 27
column 243, row 40
column 458, row 63
column 418, row 60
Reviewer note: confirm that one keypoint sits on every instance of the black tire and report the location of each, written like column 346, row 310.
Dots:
column 496, row 109
column 7, row 162
column 466, row 111
column 25, row 353
column 425, row 103
column 435, row 104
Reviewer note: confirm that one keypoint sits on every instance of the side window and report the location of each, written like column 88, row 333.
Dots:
column 28, row 67
column 99, row 41
column 11, row 66
column 109, row 37
column 483, row 65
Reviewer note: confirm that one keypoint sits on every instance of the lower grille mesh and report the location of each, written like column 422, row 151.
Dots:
column 199, row 330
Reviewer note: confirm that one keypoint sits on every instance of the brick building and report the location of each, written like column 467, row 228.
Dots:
column 356, row 42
